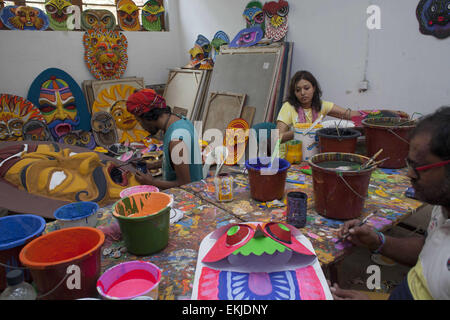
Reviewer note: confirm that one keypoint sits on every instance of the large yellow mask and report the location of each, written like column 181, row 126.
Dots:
column 62, row 174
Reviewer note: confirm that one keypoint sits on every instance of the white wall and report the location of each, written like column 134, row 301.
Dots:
column 405, row 69
column 25, row 54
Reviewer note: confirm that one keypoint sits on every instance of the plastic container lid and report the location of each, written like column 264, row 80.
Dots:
column 14, row 277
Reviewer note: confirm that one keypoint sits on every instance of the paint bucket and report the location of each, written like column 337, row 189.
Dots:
column 77, row 214
column 15, row 232
column 144, row 221
column 137, row 189
column 391, row 135
column 297, row 204
column 266, row 185
column 310, row 141
column 130, row 280
column 294, row 151
column 342, row 140
column 65, row 264
column 339, row 194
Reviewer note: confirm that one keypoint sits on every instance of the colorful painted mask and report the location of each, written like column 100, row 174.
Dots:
column 247, row 37
column 434, row 17
column 153, row 15
column 79, row 138
column 254, row 15
column 61, row 101
column 2, row 5
column 57, row 12
column 36, row 130
column 97, row 19
column 14, row 112
column 52, row 172
column 203, row 42
column 219, row 39
column 105, row 53
column 24, row 18
column 197, row 55
column 104, row 129
column 113, row 100
column 128, row 15
column 258, row 261
column 276, row 14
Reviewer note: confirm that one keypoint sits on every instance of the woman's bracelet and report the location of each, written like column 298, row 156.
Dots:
column 382, row 241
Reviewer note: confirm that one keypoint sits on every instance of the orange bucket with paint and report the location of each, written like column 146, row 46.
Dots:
column 144, row 221
column 65, row 264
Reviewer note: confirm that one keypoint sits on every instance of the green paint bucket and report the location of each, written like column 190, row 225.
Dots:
column 144, row 221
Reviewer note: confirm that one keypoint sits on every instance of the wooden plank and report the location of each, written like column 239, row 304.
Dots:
column 248, row 113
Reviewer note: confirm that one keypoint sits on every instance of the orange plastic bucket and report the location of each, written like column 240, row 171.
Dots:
column 73, row 254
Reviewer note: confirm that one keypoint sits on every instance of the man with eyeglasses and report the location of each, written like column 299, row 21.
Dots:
column 429, row 170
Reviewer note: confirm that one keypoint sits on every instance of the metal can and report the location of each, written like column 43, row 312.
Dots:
column 297, row 203
column 224, row 187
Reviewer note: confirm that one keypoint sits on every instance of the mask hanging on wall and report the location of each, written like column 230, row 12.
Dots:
column 24, row 18
column 61, row 102
column 276, row 15
column 128, row 15
column 247, row 37
column 97, row 19
column 104, row 129
column 254, row 15
column 36, row 130
column 57, row 13
column 434, row 18
column 15, row 111
column 105, row 53
column 153, row 15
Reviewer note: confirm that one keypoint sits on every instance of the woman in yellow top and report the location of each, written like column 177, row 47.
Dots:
column 304, row 105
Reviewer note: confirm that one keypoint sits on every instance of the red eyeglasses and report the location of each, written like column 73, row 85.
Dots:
column 426, row 167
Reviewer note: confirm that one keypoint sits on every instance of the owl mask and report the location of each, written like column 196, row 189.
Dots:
column 36, row 130
column 104, row 129
column 276, row 14
column 57, row 13
column 97, row 19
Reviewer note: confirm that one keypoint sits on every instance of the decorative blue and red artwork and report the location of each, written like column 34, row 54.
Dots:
column 61, row 102
column 24, row 18
column 434, row 17
column 247, row 37
column 258, row 261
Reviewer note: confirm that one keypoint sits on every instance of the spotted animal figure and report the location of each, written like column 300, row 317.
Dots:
column 276, row 15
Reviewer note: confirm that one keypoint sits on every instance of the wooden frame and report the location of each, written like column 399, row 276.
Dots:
column 222, row 107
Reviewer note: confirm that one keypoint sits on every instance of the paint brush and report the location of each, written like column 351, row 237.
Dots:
column 364, row 166
column 378, row 162
column 363, row 222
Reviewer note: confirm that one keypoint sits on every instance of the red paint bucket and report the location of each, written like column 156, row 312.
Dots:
column 391, row 135
column 264, row 184
column 344, row 140
column 339, row 194
column 72, row 254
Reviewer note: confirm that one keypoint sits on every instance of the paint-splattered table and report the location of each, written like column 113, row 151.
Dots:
column 386, row 195
column 178, row 260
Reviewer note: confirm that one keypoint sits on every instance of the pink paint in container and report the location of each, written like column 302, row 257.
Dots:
column 137, row 189
column 130, row 280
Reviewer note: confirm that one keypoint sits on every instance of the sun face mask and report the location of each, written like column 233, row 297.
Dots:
column 97, row 19
column 105, row 53
column 128, row 15
column 113, row 100
column 153, row 15
column 247, row 37
column 57, row 13
column 14, row 112
column 62, row 174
